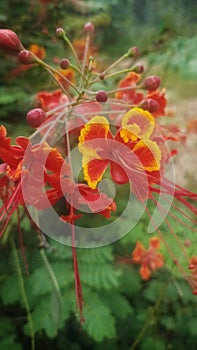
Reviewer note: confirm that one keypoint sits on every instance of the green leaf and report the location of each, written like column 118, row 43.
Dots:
column 42, row 318
column 8, row 335
column 99, row 275
column 99, row 322
column 118, row 304
column 10, row 292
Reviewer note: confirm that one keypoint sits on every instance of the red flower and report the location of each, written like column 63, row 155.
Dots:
column 160, row 98
column 50, row 100
column 129, row 94
column 149, row 259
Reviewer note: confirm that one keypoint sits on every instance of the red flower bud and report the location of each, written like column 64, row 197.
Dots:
column 88, row 28
column 64, row 63
column 35, row 117
column 60, row 32
column 191, row 266
column 138, row 69
column 133, row 51
column 26, row 57
column 150, row 105
column 151, row 83
column 9, row 41
column 101, row 96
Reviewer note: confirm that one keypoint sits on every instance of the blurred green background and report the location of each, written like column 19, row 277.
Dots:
column 121, row 311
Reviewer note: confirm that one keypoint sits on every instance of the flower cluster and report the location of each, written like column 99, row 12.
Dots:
column 83, row 136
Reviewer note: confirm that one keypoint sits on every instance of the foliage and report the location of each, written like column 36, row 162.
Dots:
column 120, row 310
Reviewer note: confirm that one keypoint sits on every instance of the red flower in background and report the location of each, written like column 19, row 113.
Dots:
column 127, row 91
column 51, row 100
column 149, row 259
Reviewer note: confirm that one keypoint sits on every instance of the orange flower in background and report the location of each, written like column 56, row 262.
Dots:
column 149, row 259
column 79, row 46
column 68, row 73
column 192, row 126
column 38, row 51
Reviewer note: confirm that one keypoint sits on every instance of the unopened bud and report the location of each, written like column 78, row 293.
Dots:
column 138, row 69
column 102, row 76
column 64, row 63
column 35, row 117
column 191, row 266
column 151, row 83
column 88, row 28
column 133, row 51
column 60, row 33
column 101, row 96
column 150, row 105
column 26, row 57
column 187, row 243
column 9, row 41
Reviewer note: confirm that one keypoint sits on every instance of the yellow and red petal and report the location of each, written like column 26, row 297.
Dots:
column 149, row 154
column 96, row 128
column 94, row 170
column 137, row 123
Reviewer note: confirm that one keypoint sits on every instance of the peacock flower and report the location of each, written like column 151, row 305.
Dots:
column 130, row 153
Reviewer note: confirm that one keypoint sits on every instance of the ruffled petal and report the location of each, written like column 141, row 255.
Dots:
column 94, row 170
column 137, row 123
column 149, row 154
column 96, row 128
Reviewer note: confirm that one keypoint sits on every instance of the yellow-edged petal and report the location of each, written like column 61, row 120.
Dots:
column 96, row 128
column 137, row 123
column 94, row 170
column 149, row 154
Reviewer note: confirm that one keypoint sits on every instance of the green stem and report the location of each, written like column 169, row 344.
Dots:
column 150, row 318
column 67, row 41
column 51, row 275
column 23, row 294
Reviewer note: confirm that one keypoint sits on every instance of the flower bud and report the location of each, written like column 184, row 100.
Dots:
column 133, row 51
column 150, row 105
column 9, row 41
column 151, row 83
column 101, row 96
column 191, row 266
column 64, row 63
column 102, row 76
column 88, row 28
column 35, row 117
column 60, row 33
column 138, row 69
column 26, row 57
